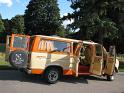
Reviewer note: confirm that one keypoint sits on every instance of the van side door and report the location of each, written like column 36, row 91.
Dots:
column 75, row 60
column 96, row 64
column 111, row 61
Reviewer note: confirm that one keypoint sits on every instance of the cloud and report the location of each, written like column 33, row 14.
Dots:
column 6, row 2
column 66, row 22
column 9, row 3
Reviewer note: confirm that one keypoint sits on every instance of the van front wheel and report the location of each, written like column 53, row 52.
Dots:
column 52, row 75
column 110, row 78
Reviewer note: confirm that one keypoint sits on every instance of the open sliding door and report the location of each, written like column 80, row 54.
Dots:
column 96, row 64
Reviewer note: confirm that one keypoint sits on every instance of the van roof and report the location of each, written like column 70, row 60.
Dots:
column 58, row 38
column 89, row 42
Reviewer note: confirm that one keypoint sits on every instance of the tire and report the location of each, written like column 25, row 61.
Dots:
column 18, row 59
column 110, row 78
column 52, row 75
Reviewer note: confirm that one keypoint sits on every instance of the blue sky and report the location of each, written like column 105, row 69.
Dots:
column 10, row 8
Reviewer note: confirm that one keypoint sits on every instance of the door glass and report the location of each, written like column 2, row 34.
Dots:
column 112, row 51
column 98, row 50
column 20, row 42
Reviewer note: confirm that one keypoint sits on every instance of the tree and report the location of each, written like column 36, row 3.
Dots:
column 2, row 28
column 8, row 27
column 42, row 17
column 17, row 24
column 91, row 17
column 121, row 28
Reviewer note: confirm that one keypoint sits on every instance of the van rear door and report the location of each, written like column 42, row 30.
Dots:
column 8, row 42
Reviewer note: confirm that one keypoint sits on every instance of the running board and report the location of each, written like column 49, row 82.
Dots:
column 84, row 73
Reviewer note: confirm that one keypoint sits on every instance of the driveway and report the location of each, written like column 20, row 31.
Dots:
column 16, row 82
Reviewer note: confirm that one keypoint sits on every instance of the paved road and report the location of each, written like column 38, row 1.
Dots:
column 15, row 82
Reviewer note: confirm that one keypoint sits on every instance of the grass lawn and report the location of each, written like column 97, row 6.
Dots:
column 3, row 64
column 2, row 47
column 121, row 67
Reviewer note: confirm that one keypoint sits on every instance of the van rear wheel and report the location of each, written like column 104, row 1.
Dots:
column 52, row 75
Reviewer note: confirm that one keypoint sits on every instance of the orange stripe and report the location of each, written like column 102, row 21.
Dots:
column 69, row 72
column 40, row 71
column 37, row 71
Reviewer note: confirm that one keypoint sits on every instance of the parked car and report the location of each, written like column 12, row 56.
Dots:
column 54, row 57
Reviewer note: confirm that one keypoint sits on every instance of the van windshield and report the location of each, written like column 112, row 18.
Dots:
column 20, row 42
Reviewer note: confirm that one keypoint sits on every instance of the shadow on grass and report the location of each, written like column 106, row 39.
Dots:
column 6, row 67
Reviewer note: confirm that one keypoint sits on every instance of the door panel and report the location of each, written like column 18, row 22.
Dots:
column 110, row 66
column 111, row 61
column 62, row 60
column 8, row 41
column 96, row 66
column 97, row 62
column 74, row 64
column 42, row 60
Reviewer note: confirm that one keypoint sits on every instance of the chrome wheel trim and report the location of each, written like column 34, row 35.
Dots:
column 53, row 76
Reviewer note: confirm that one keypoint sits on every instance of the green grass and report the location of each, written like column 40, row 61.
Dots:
column 120, row 57
column 2, row 47
column 121, row 67
column 3, row 64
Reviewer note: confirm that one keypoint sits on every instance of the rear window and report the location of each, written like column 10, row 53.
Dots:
column 20, row 42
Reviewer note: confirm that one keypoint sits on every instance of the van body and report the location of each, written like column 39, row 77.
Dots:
column 53, row 57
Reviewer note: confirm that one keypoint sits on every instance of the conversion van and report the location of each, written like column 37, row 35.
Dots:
column 54, row 57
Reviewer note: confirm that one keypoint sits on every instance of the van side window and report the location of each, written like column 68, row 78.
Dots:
column 46, row 45
column 98, row 50
column 62, row 46
column 54, row 46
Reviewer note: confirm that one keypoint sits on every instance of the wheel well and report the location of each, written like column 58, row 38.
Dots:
column 56, row 67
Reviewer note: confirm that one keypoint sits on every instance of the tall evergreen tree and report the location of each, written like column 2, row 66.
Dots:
column 42, row 17
column 17, row 24
column 91, row 17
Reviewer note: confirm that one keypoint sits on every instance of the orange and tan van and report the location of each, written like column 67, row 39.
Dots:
column 54, row 57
